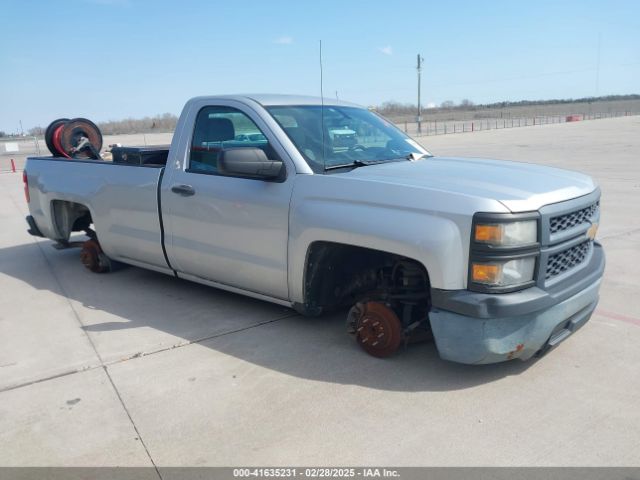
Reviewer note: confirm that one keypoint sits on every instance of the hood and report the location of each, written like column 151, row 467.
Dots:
column 519, row 186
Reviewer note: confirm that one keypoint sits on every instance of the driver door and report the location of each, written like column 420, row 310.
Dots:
column 229, row 230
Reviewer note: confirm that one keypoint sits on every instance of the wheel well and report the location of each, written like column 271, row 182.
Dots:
column 70, row 217
column 337, row 275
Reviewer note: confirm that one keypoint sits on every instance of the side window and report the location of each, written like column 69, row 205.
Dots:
column 220, row 128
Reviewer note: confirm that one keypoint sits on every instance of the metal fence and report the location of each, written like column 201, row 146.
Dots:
column 15, row 150
column 445, row 127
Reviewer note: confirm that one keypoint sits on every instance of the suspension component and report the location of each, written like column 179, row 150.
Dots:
column 394, row 311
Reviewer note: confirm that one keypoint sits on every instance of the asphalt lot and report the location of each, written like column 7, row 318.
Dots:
column 135, row 368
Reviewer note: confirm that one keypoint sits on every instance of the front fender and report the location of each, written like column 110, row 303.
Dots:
column 433, row 241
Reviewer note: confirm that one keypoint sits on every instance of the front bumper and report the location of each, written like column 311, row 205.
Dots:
column 481, row 328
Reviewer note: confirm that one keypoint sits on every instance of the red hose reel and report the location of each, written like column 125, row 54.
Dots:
column 74, row 138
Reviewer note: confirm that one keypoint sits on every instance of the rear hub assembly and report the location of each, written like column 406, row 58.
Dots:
column 378, row 329
column 91, row 257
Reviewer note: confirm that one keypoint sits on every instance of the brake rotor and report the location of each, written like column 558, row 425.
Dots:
column 90, row 256
column 48, row 135
column 73, row 135
column 378, row 329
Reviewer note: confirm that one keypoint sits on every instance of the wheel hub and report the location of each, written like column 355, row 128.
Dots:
column 378, row 329
column 90, row 256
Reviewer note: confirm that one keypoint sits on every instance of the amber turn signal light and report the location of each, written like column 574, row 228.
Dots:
column 486, row 273
column 488, row 234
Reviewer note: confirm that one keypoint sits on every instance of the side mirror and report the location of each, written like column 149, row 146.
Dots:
column 248, row 162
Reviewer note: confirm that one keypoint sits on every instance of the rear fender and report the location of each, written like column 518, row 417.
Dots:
column 68, row 217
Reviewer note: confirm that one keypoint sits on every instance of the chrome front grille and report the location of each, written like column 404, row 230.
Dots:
column 565, row 260
column 572, row 219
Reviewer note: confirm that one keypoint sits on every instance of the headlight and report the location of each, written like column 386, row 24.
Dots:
column 504, row 273
column 509, row 234
column 504, row 251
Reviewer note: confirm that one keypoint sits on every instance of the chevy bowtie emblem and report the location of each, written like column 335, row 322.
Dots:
column 591, row 233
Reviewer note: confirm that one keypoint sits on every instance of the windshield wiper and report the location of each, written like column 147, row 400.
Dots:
column 355, row 164
column 415, row 156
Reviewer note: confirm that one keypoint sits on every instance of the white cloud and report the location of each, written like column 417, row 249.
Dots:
column 386, row 50
column 283, row 40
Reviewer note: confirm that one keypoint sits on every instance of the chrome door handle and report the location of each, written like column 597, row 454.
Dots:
column 184, row 190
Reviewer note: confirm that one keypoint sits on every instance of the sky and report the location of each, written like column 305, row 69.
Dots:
column 114, row 59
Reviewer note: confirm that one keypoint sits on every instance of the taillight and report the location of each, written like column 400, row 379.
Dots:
column 25, row 180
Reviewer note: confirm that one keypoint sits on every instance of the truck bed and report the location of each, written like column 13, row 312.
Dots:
column 122, row 199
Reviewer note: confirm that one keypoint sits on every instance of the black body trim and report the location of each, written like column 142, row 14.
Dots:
column 487, row 305
column 159, row 196
column 281, row 178
column 33, row 228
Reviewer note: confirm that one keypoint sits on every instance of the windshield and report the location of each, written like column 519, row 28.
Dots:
column 352, row 136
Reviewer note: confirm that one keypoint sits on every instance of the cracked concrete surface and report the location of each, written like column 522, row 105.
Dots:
column 138, row 368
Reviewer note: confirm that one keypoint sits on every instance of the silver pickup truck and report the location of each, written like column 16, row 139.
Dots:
column 494, row 259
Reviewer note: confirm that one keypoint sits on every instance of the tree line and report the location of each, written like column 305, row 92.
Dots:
column 167, row 121
column 393, row 109
column 158, row 123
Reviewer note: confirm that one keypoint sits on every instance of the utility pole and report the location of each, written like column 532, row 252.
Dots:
column 419, row 119
column 598, row 65
column 21, row 129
